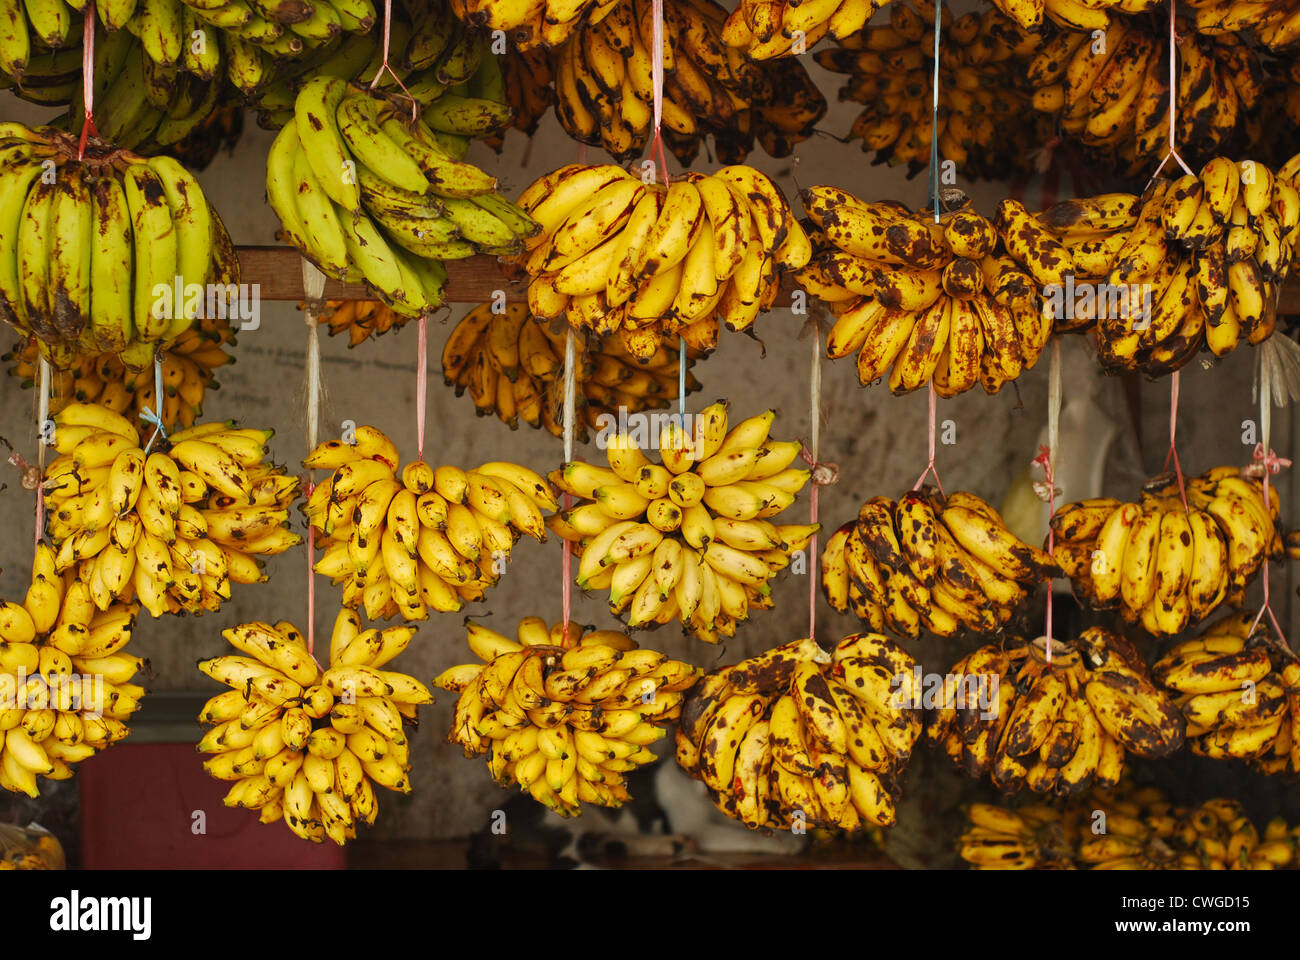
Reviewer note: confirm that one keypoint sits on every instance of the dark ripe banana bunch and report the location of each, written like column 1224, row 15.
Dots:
column 1110, row 91
column 920, row 301
column 1058, row 726
column 982, row 60
column 690, row 538
column 65, row 677
column 1072, row 14
column 308, row 746
column 796, row 735
column 605, row 91
column 530, row 24
column 512, row 364
column 528, row 77
column 765, row 29
column 652, row 262
column 359, row 319
column 924, row 563
column 1165, row 567
column 365, row 193
column 188, row 367
column 87, row 246
column 564, row 715
column 1239, row 696
column 173, row 528
column 1033, row 836
column 413, row 539
column 1274, row 24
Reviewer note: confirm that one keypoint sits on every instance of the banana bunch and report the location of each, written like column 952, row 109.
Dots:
column 564, row 716
column 432, row 539
column 920, row 300
column 1164, row 567
column 364, row 196
column 1072, row 14
column 1109, row 91
column 65, row 677
column 605, row 94
column 1031, row 837
column 188, row 365
column 798, row 733
column 1274, row 23
column 985, row 124
column 308, row 746
column 529, row 23
column 616, row 255
column 690, row 538
column 31, row 848
column 528, row 78
column 513, row 366
column 764, row 29
column 1058, row 725
column 1241, row 700
column 172, row 528
column 925, row 563
column 87, row 250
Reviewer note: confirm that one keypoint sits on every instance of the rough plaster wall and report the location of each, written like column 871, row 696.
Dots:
column 878, row 440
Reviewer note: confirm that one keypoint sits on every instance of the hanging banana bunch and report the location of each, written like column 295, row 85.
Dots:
column 513, row 365
column 65, row 677
column 1033, row 836
column 929, row 563
column 528, row 78
column 1275, row 24
column 308, row 746
column 984, row 123
column 564, row 716
column 1073, row 14
column 649, row 262
column 430, row 540
column 529, row 24
column 1057, row 725
column 796, row 735
column 691, row 538
column 1165, row 567
column 920, row 301
column 764, row 29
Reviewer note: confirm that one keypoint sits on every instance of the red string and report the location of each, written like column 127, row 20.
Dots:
column 657, row 78
column 1272, row 463
column 374, row 82
column 311, row 576
column 1045, row 459
column 1173, row 429
column 930, row 468
column 421, row 381
column 88, row 80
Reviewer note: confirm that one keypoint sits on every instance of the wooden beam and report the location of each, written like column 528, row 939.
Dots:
column 279, row 272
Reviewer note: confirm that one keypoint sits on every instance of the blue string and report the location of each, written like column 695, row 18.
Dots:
column 934, row 122
column 149, row 416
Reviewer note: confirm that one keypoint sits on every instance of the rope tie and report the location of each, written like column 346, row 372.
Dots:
column 1173, row 100
column 421, row 381
column 929, row 467
column 657, row 81
column 570, row 391
column 384, row 66
column 1047, row 459
column 823, row 474
column 313, row 283
column 1172, row 455
column 87, row 79
column 934, row 119
column 1267, row 462
column 155, row 416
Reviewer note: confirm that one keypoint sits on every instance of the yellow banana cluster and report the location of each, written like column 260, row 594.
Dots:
column 94, row 250
column 1057, row 726
column 528, row 78
column 691, row 538
column 765, row 29
column 413, row 539
column 366, row 194
column 564, row 716
column 648, row 261
column 65, row 677
column 1166, row 567
column 188, row 365
column 1274, row 23
column 172, row 528
column 530, row 23
column 513, row 365
column 605, row 91
column 920, row 301
column 306, row 746
column 924, row 563
column 799, row 736
column 31, row 848
column 984, row 123
column 1240, row 698
column 360, row 319
column 1033, row 836
column 1072, row 14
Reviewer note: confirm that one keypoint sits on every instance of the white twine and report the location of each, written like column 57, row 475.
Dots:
column 313, row 284
column 570, row 390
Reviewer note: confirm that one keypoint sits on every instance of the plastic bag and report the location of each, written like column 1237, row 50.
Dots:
column 29, row 848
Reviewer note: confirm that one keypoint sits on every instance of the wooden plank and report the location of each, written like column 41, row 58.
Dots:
column 279, row 272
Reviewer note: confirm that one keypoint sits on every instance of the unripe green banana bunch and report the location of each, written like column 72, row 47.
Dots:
column 1057, row 724
column 688, row 539
column 799, row 736
column 929, row 563
column 33, row 34
column 763, row 29
column 918, row 300
column 617, row 255
column 306, row 746
column 431, row 540
column 564, row 715
column 513, row 365
column 173, row 528
column 65, row 690
column 1033, row 836
column 530, row 23
column 188, row 363
column 984, row 124
column 1275, row 24
column 1167, row 567
column 90, row 244
column 364, row 194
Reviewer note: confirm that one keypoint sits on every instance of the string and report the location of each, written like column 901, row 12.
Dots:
column 87, row 79
column 313, row 283
column 1173, row 100
column 681, row 379
column 42, row 416
column 421, row 381
column 388, row 34
column 155, row 416
column 930, row 468
column 657, row 81
column 1047, row 458
column 934, row 120
column 1271, row 463
column 815, row 432
column 1172, row 455
column 570, row 389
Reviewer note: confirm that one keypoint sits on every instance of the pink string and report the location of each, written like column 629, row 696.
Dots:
column 1173, row 100
column 40, row 513
column 1173, row 428
column 421, row 382
column 1272, row 463
column 1045, row 458
column 657, row 79
column 566, row 586
column 311, row 576
column 88, row 80
column 374, row 82
column 930, row 468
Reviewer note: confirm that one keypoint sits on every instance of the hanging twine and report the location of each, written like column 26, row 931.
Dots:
column 384, row 66
column 929, row 467
column 657, row 81
column 1267, row 462
column 42, row 415
column 421, row 381
column 934, row 119
column 1172, row 455
column 87, row 79
column 823, row 474
column 1047, row 459
column 313, row 284
column 1173, row 100
column 155, row 415
column 570, row 391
